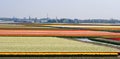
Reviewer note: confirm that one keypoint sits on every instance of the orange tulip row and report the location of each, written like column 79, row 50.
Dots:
column 79, row 33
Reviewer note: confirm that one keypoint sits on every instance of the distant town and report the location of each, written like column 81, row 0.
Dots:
column 56, row 20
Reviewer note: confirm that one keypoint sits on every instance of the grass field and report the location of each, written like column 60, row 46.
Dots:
column 49, row 44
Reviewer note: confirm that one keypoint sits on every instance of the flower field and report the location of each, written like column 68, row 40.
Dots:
column 117, row 39
column 43, row 38
column 23, row 27
column 72, row 33
column 88, row 27
column 60, row 27
column 49, row 44
column 114, row 41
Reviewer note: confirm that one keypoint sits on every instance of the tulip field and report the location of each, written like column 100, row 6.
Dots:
column 59, row 33
column 88, row 27
column 56, row 38
column 49, row 44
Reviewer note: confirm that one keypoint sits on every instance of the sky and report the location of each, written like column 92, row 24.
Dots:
column 82, row 9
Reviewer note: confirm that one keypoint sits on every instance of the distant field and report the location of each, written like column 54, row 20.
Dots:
column 89, row 27
column 23, row 26
column 100, row 27
column 62, row 27
column 49, row 44
column 79, row 30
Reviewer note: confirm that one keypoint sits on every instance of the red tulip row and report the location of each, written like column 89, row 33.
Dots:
column 117, row 39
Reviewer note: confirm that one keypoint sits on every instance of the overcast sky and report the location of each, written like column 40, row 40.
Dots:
column 82, row 9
